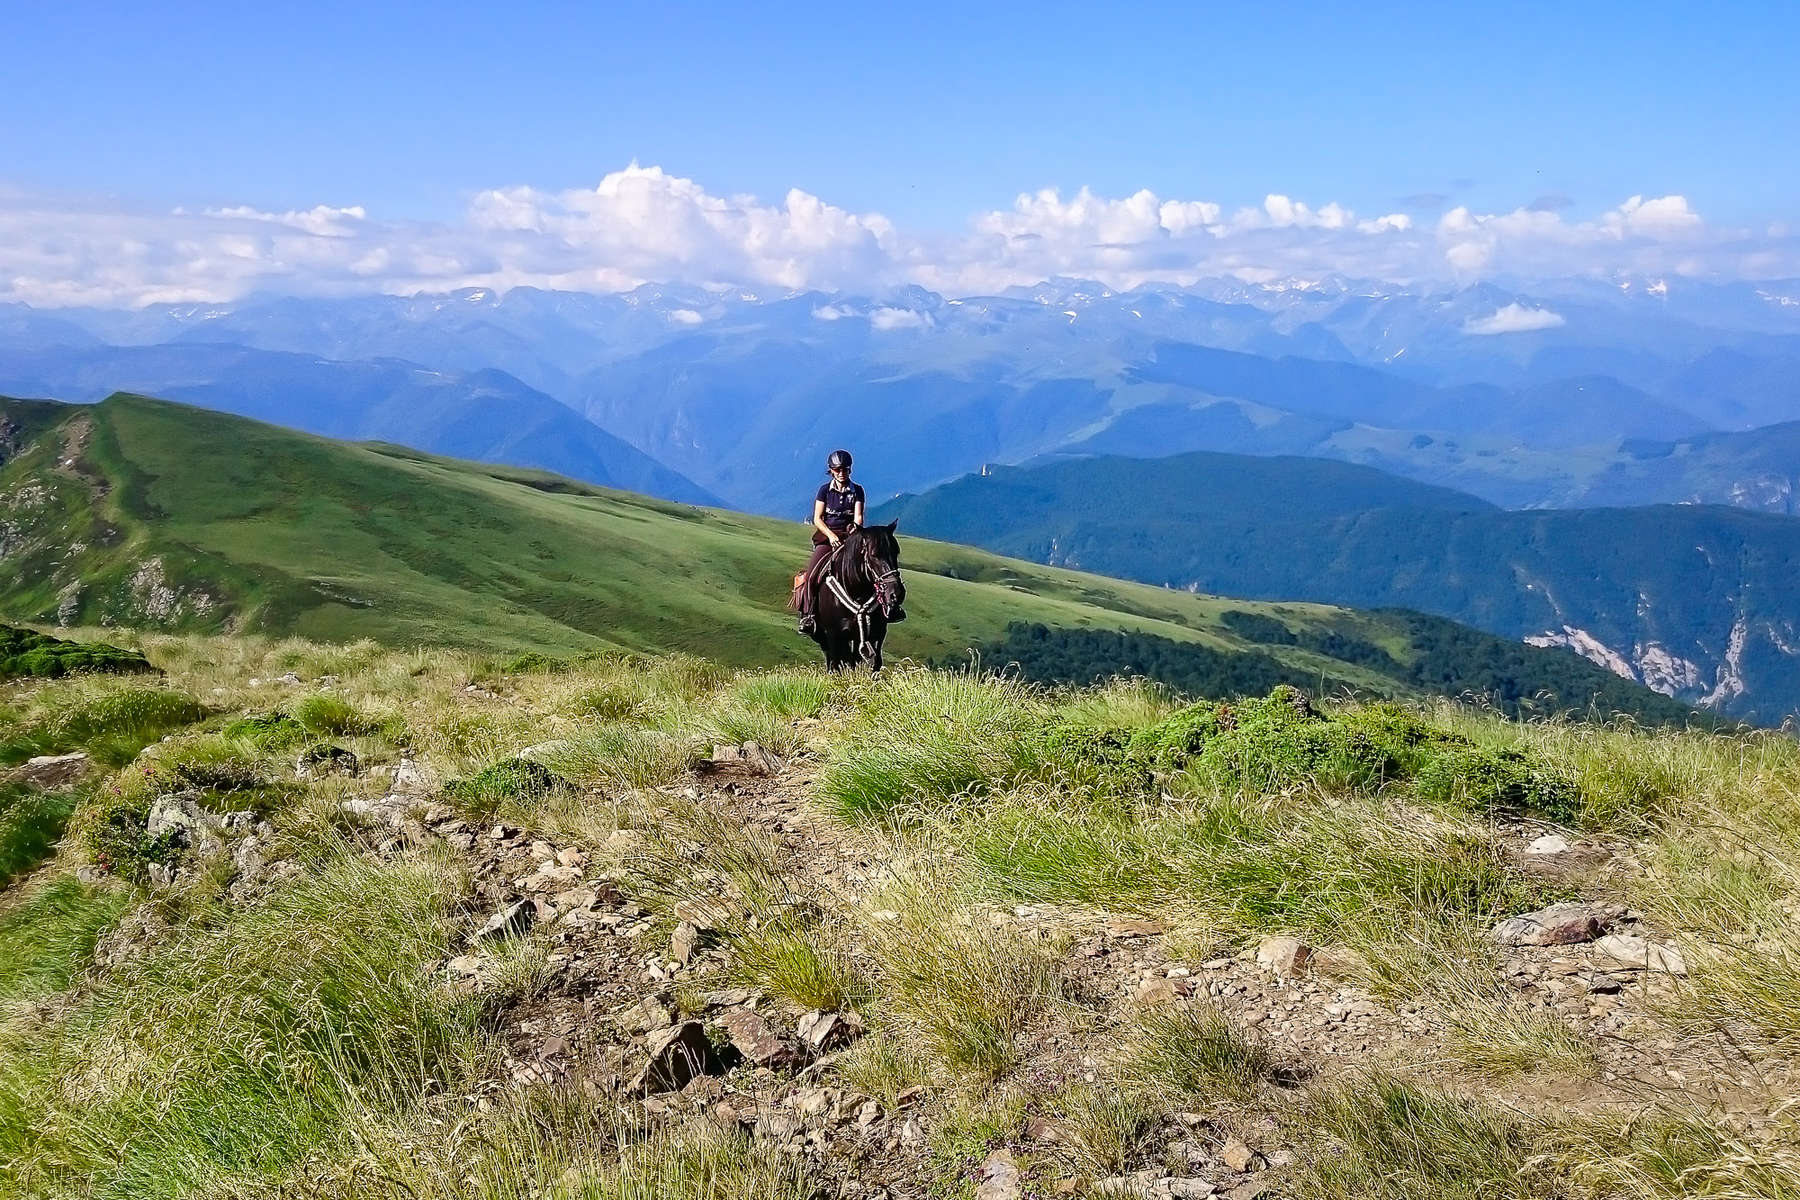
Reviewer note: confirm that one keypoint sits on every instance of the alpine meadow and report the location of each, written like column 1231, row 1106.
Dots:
column 958, row 603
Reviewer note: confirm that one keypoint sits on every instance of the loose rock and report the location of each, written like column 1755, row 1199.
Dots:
column 756, row 1039
column 1640, row 953
column 1286, row 956
column 510, row 921
column 1558, row 925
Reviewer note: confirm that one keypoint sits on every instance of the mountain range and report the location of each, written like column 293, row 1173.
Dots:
column 1700, row 602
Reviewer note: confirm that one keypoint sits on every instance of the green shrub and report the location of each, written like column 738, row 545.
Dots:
column 116, row 834
column 511, row 780
column 330, row 716
column 1485, row 779
column 24, row 652
column 266, row 731
column 1172, row 743
column 214, row 764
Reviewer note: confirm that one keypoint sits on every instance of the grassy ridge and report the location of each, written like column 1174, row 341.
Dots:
column 142, row 513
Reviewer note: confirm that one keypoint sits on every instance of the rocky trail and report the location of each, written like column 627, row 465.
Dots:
column 599, row 985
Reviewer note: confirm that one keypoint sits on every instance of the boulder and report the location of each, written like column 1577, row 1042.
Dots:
column 1237, row 1155
column 683, row 943
column 178, row 817
column 511, row 921
column 1549, row 843
column 53, row 770
column 318, row 762
column 1559, row 925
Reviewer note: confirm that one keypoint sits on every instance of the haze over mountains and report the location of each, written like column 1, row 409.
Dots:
column 1571, row 392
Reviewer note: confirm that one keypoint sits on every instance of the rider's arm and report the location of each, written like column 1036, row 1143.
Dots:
column 856, row 519
column 819, row 522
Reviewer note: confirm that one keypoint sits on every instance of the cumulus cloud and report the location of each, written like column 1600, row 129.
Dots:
column 685, row 316
column 644, row 224
column 1513, row 318
column 896, row 318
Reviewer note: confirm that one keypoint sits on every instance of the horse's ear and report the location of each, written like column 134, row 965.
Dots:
column 894, row 525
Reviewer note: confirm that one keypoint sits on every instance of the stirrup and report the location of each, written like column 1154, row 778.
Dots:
column 808, row 623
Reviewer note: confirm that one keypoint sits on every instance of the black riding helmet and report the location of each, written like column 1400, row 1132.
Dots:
column 839, row 458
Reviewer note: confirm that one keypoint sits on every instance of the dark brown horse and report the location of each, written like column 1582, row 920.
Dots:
column 860, row 594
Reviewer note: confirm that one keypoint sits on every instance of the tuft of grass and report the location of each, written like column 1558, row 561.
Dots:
column 47, row 938
column 1104, row 1130
column 700, row 1162
column 266, row 731
column 31, row 823
column 884, row 1065
column 922, row 740
column 620, row 756
column 1380, row 1138
column 762, row 707
column 1242, row 867
column 111, row 723
column 330, row 716
column 1197, row 1051
column 808, row 966
column 963, row 992
column 230, row 1052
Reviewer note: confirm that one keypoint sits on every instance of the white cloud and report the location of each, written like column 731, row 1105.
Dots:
column 833, row 312
column 896, row 318
column 685, row 316
column 644, row 224
column 1513, row 318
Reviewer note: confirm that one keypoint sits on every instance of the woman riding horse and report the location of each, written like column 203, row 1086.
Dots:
column 851, row 590
column 837, row 512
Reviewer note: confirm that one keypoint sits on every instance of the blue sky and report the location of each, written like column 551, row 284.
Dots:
column 926, row 114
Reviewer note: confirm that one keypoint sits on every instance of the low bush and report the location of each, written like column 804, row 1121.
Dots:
column 25, row 652
column 1485, row 779
column 515, row 781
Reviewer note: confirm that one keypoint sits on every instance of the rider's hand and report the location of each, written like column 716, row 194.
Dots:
column 835, row 539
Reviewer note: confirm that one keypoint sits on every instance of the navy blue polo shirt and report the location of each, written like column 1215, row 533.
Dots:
column 840, row 505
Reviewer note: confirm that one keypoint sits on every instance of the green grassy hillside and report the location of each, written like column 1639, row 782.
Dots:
column 146, row 514
column 1697, row 600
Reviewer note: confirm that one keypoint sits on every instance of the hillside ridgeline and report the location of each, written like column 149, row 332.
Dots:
column 143, row 513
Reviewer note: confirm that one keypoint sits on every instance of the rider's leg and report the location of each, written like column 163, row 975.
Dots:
column 807, row 597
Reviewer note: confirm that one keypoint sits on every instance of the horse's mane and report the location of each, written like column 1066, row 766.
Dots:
column 847, row 566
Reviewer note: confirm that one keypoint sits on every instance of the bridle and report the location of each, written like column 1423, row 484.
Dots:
column 881, row 580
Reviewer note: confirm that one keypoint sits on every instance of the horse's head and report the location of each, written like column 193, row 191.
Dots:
column 878, row 556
